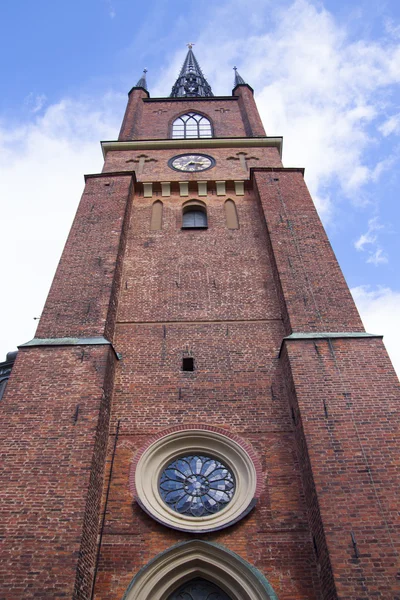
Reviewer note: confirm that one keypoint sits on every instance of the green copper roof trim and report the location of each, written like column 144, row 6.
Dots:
column 327, row 335
column 70, row 341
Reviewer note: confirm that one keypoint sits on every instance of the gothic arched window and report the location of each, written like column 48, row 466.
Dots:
column 191, row 125
column 199, row 589
column 3, row 384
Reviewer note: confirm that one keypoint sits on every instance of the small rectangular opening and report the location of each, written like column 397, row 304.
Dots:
column 188, row 364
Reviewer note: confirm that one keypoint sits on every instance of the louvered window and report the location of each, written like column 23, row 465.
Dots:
column 194, row 219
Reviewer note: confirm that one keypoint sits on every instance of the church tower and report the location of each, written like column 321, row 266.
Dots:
column 201, row 415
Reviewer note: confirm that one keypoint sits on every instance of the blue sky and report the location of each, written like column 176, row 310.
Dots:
column 326, row 76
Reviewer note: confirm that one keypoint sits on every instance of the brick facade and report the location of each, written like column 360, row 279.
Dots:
column 319, row 412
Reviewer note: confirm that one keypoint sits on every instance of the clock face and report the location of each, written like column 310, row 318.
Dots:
column 191, row 162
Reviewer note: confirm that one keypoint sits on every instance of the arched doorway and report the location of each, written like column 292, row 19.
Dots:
column 195, row 565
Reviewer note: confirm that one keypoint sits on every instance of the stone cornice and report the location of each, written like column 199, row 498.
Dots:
column 192, row 99
column 139, row 145
column 327, row 335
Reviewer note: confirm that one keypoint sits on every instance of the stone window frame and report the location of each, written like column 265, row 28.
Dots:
column 160, row 451
column 197, row 558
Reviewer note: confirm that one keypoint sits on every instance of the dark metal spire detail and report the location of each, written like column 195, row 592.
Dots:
column 191, row 81
column 238, row 80
column 142, row 81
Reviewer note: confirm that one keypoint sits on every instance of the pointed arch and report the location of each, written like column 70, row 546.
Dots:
column 199, row 559
column 191, row 125
column 232, row 220
column 156, row 215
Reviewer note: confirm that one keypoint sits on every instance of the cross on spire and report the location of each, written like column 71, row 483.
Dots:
column 142, row 81
column 238, row 80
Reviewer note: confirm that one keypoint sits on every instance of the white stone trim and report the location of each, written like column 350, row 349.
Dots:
column 195, row 441
column 184, row 188
column 147, row 190
column 202, row 188
column 165, row 188
column 221, row 188
column 171, row 569
column 194, row 143
column 239, row 188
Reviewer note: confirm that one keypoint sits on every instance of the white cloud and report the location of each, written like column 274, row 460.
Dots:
column 391, row 125
column 111, row 9
column 379, row 257
column 41, row 180
column 379, row 310
column 368, row 241
column 315, row 86
column 35, row 102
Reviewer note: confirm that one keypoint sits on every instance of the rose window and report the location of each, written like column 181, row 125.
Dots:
column 196, row 485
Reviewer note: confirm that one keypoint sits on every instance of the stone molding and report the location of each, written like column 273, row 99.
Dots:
column 176, row 441
column 187, row 560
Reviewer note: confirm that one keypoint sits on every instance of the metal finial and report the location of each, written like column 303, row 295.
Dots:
column 145, row 71
column 190, row 45
column 235, row 68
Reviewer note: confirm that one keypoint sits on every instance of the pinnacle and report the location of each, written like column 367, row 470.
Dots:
column 142, row 81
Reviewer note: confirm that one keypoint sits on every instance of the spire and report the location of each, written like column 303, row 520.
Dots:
column 142, row 81
column 238, row 80
column 191, row 81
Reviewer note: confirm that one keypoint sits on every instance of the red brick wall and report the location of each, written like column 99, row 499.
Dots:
column 351, row 446
column 226, row 312
column 52, row 456
column 212, row 274
column 229, row 297
column 79, row 300
column 149, row 119
column 228, row 165
column 314, row 294
column 237, row 384
column 248, row 110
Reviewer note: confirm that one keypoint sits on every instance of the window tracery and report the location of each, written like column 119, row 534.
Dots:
column 208, row 453
column 191, row 125
column 197, row 485
column 199, row 589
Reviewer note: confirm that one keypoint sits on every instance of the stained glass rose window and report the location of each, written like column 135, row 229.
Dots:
column 196, row 479
column 196, row 485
